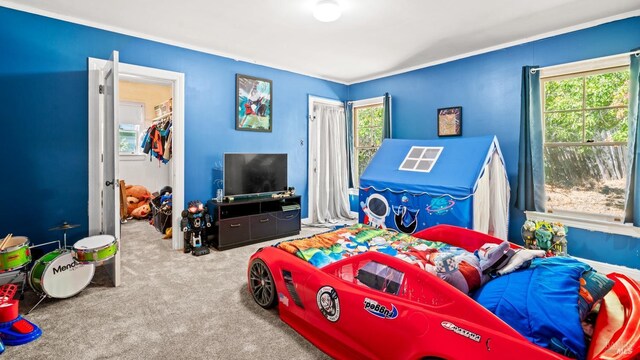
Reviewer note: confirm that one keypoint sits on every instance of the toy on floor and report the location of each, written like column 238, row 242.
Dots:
column 14, row 329
column 138, row 198
column 194, row 222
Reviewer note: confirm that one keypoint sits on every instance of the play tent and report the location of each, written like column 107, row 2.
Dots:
column 411, row 185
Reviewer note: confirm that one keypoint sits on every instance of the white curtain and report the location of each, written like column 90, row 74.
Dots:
column 329, row 143
column 500, row 194
column 491, row 200
column 482, row 202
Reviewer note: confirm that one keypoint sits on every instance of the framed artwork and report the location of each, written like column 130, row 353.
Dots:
column 253, row 103
column 450, row 121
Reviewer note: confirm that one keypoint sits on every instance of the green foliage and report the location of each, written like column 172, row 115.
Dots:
column 369, row 125
column 369, row 134
column 566, row 118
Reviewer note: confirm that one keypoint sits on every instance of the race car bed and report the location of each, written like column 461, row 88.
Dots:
column 446, row 292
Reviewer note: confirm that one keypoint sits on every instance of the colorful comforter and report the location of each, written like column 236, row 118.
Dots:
column 455, row 265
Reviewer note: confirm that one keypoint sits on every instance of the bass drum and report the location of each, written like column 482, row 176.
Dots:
column 58, row 275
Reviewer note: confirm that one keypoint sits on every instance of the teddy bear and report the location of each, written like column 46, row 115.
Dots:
column 142, row 211
column 138, row 198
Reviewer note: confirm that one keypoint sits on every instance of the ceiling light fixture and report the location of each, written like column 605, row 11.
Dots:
column 327, row 11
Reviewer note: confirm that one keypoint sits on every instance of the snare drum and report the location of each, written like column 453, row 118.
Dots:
column 58, row 275
column 95, row 249
column 16, row 254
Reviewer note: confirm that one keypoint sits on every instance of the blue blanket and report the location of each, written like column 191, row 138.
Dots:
column 541, row 303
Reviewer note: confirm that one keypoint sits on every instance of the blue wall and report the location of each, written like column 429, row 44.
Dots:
column 487, row 86
column 43, row 97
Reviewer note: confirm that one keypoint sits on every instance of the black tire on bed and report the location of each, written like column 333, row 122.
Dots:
column 263, row 288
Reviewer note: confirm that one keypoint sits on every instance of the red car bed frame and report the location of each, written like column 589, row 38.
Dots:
column 429, row 319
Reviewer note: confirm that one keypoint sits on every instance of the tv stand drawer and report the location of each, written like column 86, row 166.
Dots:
column 263, row 226
column 289, row 222
column 233, row 230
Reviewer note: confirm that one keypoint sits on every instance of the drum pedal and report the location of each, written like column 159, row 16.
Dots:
column 202, row 250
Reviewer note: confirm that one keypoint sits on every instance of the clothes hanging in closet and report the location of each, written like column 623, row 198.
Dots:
column 157, row 140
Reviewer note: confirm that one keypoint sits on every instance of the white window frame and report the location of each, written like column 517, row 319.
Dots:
column 138, row 124
column 588, row 221
column 376, row 101
column 420, row 158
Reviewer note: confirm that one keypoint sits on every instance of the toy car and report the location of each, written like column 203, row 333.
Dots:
column 376, row 306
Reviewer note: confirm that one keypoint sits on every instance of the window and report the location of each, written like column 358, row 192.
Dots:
column 367, row 125
column 585, row 119
column 421, row 158
column 129, row 130
column 129, row 139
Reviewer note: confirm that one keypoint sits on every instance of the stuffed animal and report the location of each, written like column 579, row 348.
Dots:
column 138, row 198
column 142, row 212
column 467, row 272
column 493, row 256
column 138, row 191
column 520, row 259
column 132, row 204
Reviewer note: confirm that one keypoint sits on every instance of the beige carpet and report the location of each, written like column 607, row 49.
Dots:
column 170, row 306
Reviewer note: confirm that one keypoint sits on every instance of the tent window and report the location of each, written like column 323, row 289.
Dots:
column 421, row 158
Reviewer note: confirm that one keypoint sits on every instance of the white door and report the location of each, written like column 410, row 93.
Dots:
column 110, row 151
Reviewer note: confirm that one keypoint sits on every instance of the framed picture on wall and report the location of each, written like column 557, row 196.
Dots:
column 253, row 103
column 450, row 121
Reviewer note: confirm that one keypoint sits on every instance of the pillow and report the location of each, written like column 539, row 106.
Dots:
column 593, row 287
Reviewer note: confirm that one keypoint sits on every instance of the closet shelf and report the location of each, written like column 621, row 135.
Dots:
column 162, row 116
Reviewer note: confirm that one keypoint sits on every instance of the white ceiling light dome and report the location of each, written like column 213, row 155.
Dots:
column 327, row 11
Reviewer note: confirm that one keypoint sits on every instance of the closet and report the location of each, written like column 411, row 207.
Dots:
column 145, row 126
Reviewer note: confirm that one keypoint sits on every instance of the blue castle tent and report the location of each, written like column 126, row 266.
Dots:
column 410, row 185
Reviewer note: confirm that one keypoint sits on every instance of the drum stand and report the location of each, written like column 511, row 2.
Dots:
column 36, row 305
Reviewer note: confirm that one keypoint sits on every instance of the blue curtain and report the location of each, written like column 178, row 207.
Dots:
column 348, row 112
column 632, row 201
column 386, row 118
column 530, row 194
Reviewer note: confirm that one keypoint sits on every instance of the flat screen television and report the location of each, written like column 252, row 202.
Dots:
column 250, row 174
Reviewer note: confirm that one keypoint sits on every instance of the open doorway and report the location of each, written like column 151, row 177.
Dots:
column 145, row 125
column 103, row 180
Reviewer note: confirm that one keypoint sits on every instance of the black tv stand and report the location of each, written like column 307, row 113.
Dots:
column 250, row 220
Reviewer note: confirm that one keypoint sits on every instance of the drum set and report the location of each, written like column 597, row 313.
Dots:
column 61, row 273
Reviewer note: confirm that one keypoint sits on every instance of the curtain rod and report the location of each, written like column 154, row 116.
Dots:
column 635, row 52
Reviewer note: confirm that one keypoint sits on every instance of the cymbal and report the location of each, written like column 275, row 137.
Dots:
column 65, row 225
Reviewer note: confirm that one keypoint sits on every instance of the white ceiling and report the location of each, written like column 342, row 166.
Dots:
column 372, row 38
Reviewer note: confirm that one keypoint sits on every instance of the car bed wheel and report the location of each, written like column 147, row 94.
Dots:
column 263, row 288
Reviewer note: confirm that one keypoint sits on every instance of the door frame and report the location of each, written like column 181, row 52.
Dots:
column 96, row 124
column 311, row 125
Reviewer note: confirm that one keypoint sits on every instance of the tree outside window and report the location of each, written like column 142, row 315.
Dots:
column 367, row 124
